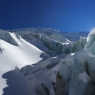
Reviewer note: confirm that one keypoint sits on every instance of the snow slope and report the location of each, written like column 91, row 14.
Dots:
column 12, row 56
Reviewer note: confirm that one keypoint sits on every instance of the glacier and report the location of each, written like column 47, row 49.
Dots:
column 43, row 61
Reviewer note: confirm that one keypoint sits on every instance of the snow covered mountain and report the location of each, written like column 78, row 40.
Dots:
column 72, row 36
column 43, row 61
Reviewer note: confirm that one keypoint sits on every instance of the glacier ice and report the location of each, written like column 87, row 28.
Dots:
column 72, row 75
column 67, row 67
column 90, row 39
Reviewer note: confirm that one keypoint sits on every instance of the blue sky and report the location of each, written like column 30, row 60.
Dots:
column 64, row 15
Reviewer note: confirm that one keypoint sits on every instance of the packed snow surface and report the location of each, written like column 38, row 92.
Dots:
column 12, row 56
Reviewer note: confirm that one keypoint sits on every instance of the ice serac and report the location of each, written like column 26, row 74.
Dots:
column 45, row 75
column 90, row 52
column 90, row 39
column 73, row 47
column 70, row 69
column 78, row 70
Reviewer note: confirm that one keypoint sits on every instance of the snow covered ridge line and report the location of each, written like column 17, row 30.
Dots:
column 72, row 36
column 52, row 43
column 37, row 30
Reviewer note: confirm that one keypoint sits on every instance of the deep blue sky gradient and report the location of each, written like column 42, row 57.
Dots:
column 64, row 15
